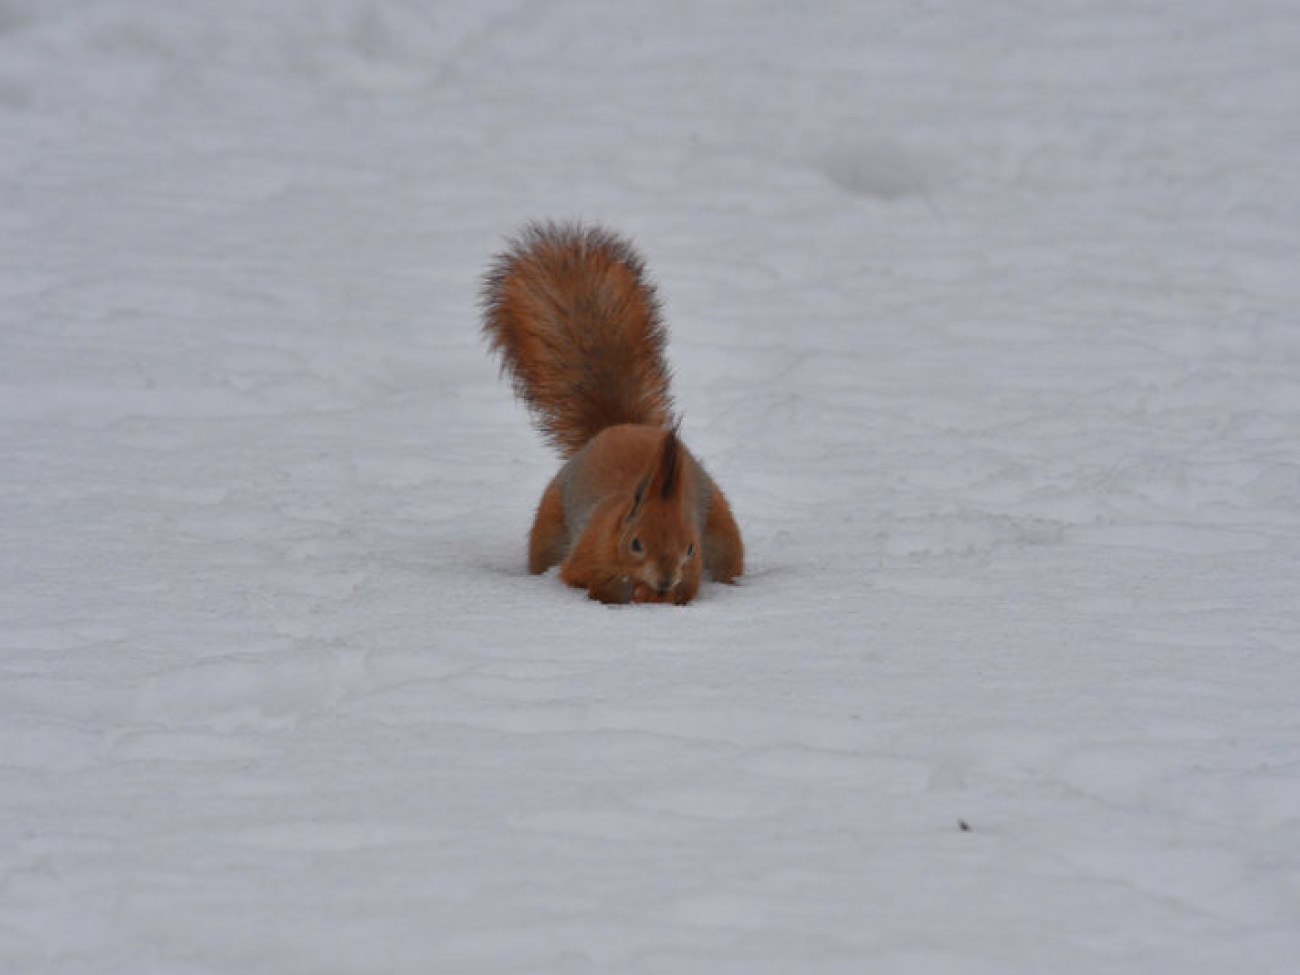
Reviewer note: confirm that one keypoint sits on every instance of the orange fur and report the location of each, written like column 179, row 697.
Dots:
column 577, row 325
column 631, row 516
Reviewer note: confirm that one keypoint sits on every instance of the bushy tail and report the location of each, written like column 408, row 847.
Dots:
column 578, row 328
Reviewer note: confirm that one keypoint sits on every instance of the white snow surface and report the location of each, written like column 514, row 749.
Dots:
column 983, row 314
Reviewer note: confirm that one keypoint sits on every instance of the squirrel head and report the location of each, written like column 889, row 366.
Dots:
column 659, row 539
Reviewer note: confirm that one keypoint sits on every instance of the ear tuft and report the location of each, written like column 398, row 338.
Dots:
column 638, row 496
column 667, row 471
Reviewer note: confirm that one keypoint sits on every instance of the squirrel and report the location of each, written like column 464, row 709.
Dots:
column 631, row 516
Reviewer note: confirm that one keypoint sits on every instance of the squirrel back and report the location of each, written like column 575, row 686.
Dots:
column 578, row 328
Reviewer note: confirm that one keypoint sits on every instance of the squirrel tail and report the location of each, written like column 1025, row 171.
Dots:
column 577, row 324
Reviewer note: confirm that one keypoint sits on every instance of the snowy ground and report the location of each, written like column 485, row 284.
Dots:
column 985, row 316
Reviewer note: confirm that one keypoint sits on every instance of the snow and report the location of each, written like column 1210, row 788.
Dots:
column 984, row 315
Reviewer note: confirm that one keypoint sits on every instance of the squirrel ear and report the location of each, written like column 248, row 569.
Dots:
column 637, row 497
column 665, row 477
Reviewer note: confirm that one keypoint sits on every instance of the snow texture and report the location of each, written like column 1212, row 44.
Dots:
column 984, row 315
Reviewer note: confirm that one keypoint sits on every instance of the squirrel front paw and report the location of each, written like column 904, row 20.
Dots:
column 679, row 594
column 617, row 590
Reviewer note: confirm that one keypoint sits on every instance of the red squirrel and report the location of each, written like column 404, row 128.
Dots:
column 631, row 516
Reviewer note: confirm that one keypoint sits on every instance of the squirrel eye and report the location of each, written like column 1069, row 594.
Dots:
column 690, row 549
column 636, row 545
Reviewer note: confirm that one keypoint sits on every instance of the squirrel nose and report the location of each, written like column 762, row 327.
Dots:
column 664, row 584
